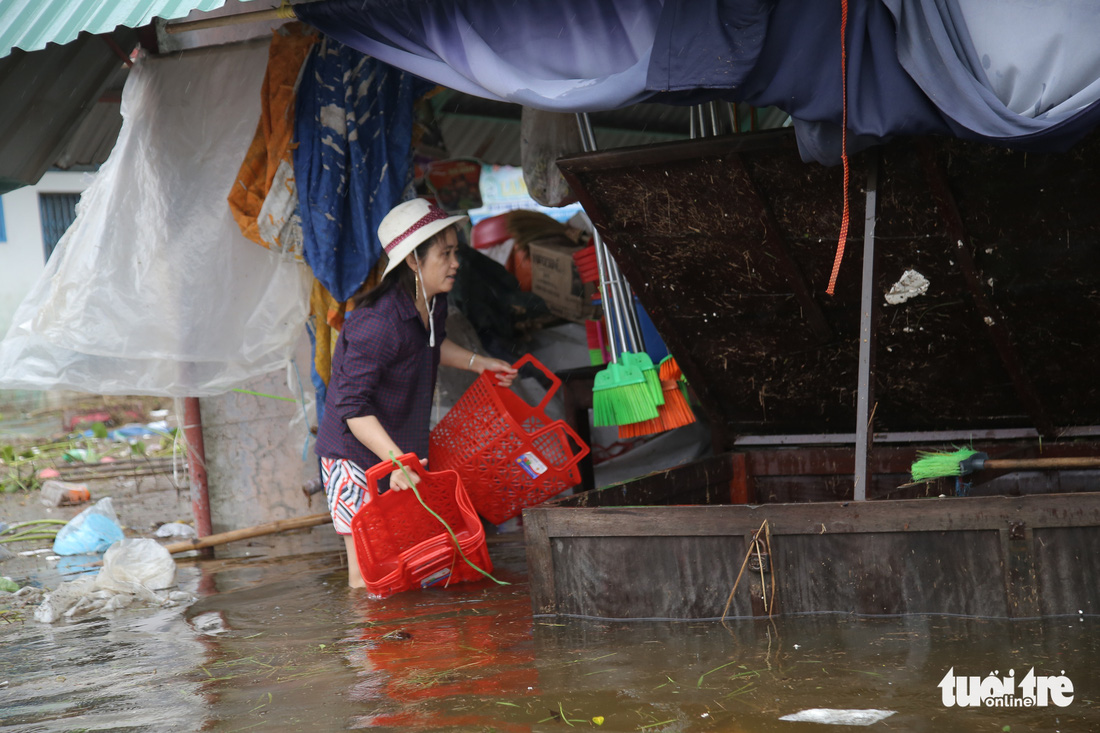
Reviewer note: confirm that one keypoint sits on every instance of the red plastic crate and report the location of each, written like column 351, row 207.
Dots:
column 509, row 454
column 401, row 546
column 587, row 264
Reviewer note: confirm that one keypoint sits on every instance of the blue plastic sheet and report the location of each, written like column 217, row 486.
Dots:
column 1014, row 72
column 353, row 160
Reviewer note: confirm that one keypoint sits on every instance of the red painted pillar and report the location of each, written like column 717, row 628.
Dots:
column 741, row 490
column 196, row 465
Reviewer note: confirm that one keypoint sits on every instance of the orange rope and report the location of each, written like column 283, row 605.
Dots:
column 843, row 144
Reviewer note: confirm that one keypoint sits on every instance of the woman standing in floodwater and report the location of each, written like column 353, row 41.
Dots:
column 386, row 359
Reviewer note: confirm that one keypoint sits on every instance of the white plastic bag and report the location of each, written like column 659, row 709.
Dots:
column 133, row 570
column 93, row 530
column 545, row 137
column 137, row 566
column 176, row 529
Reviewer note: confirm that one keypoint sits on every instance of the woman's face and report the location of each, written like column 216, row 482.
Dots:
column 438, row 268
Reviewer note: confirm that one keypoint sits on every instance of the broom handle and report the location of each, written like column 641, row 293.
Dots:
column 993, row 464
column 631, row 326
column 627, row 319
column 282, row 525
column 634, row 329
column 605, row 293
column 603, row 260
column 626, row 332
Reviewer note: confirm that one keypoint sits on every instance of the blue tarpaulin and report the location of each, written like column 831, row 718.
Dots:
column 1014, row 72
column 352, row 164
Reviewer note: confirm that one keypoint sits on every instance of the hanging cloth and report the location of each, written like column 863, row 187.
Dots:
column 353, row 159
column 263, row 199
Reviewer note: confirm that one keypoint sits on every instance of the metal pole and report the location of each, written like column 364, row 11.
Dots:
column 224, row 21
column 603, row 260
column 626, row 320
column 712, row 107
column 196, row 466
column 626, row 328
column 610, row 312
column 868, row 308
column 634, row 328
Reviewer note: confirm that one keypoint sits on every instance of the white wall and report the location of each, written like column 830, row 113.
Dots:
column 22, row 256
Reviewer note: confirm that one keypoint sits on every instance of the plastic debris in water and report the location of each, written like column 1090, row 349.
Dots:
column 830, row 716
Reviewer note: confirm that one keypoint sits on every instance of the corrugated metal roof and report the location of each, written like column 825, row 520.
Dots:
column 490, row 131
column 497, row 141
column 92, row 140
column 31, row 24
column 46, row 95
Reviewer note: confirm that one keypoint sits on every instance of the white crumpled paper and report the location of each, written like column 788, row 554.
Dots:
column 910, row 285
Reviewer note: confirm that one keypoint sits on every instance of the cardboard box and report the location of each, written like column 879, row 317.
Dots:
column 554, row 278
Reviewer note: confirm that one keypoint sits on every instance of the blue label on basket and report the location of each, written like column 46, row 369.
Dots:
column 435, row 577
column 530, row 463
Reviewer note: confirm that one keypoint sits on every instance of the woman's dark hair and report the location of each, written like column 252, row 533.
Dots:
column 399, row 276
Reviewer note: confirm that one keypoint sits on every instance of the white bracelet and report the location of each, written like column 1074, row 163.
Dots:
column 470, row 366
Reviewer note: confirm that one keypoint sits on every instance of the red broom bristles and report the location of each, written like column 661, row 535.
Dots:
column 675, row 413
column 670, row 370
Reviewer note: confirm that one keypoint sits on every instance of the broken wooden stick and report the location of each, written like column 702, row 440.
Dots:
column 221, row 538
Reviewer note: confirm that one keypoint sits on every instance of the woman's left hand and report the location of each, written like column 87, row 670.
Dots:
column 505, row 374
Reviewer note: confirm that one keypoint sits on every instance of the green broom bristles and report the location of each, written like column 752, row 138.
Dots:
column 636, row 405
column 939, row 465
column 644, row 364
column 620, row 396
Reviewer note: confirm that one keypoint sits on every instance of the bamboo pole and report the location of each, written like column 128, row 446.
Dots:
column 284, row 12
column 285, row 525
column 282, row 525
column 1038, row 464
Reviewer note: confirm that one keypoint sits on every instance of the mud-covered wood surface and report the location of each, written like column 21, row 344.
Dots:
column 729, row 243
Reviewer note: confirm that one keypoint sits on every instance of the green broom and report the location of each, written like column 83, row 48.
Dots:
column 931, row 465
column 644, row 364
column 642, row 404
column 966, row 461
column 634, row 352
column 620, row 393
column 620, row 396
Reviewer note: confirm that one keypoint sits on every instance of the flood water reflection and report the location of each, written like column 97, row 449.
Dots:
column 279, row 643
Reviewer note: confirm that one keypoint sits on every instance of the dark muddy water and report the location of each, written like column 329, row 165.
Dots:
column 279, row 643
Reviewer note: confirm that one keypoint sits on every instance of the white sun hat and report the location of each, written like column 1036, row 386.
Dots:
column 408, row 225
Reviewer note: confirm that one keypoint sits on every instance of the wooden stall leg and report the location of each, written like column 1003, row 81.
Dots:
column 741, row 490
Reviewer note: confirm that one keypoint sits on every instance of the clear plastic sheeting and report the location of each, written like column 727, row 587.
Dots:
column 134, row 571
column 153, row 289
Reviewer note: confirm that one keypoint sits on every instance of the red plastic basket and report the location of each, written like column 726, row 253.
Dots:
column 401, row 546
column 509, row 454
column 587, row 266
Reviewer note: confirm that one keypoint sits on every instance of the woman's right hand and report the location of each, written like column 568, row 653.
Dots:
column 399, row 480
